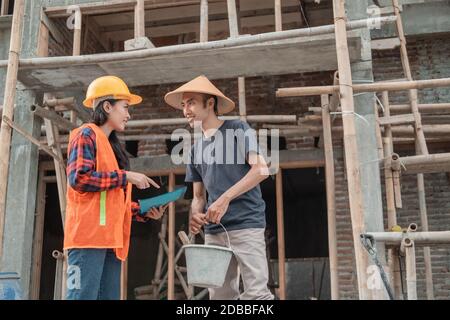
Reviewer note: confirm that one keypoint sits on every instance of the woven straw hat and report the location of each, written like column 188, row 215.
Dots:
column 200, row 84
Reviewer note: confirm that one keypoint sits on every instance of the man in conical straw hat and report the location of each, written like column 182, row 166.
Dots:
column 225, row 161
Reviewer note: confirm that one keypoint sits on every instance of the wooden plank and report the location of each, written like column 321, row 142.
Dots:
column 331, row 195
column 38, row 237
column 280, row 236
column 351, row 148
column 171, row 230
column 54, row 31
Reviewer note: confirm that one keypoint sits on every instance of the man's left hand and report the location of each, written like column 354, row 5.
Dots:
column 217, row 210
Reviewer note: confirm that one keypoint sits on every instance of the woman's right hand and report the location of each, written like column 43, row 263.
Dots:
column 141, row 181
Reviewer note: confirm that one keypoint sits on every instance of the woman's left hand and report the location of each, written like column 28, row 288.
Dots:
column 156, row 214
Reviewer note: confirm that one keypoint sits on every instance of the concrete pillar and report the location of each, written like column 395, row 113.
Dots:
column 23, row 169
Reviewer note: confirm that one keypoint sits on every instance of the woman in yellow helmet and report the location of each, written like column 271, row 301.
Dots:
column 99, row 207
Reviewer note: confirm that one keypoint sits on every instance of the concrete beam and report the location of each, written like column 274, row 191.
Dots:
column 420, row 18
column 289, row 159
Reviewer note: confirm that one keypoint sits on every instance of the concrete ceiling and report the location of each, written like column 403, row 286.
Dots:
column 296, row 55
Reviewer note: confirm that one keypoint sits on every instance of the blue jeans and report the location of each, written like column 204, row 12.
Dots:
column 93, row 274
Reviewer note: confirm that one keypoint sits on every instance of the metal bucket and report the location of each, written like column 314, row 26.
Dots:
column 207, row 265
column 10, row 286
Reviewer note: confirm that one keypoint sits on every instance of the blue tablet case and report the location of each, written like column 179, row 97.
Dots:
column 163, row 199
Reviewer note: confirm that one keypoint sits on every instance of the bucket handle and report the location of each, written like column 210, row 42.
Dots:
column 228, row 237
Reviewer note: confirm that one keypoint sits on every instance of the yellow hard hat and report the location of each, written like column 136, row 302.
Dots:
column 112, row 87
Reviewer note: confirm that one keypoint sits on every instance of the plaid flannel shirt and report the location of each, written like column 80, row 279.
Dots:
column 82, row 174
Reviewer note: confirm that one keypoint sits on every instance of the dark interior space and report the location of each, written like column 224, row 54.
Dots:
column 306, row 235
column 53, row 240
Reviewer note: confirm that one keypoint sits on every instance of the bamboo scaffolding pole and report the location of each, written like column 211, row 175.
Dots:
column 331, row 202
column 242, row 102
column 393, row 258
column 68, row 104
column 77, row 34
column 368, row 87
column 31, row 138
column 280, row 236
column 421, row 148
column 278, row 16
column 55, row 62
column 57, row 292
column 8, row 106
column 159, row 259
column 204, row 21
column 232, row 18
column 4, row 8
column 419, row 162
column 419, row 238
column 423, row 108
column 52, row 116
column 38, row 237
column 124, row 280
column 204, row 17
column 350, row 145
column 410, row 262
column 139, row 19
column 171, row 230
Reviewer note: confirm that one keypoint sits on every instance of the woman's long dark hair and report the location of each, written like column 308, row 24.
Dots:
column 99, row 117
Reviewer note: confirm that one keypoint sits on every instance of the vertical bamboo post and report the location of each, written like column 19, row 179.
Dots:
column 421, row 145
column 394, row 268
column 139, row 19
column 280, row 235
column 4, row 8
column 232, row 18
column 242, row 102
column 124, row 280
column 38, row 237
column 160, row 257
column 424, row 223
column 204, row 21
column 410, row 261
column 171, row 263
column 8, row 106
column 350, row 145
column 77, row 34
column 278, row 16
column 331, row 205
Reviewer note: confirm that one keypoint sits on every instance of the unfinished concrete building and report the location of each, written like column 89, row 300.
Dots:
column 360, row 93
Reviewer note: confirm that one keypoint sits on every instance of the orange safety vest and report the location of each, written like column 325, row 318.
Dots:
column 99, row 219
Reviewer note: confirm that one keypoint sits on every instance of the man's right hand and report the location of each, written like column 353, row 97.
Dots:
column 197, row 221
column 141, row 181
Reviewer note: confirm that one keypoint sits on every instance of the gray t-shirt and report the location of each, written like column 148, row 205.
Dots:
column 220, row 162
